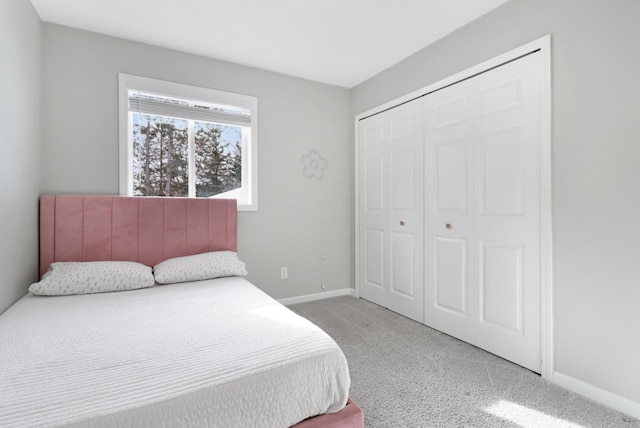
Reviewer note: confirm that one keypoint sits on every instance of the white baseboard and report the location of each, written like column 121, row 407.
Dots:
column 596, row 394
column 318, row 296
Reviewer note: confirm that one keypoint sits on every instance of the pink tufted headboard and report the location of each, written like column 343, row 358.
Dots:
column 143, row 229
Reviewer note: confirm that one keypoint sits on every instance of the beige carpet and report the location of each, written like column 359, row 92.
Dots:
column 405, row 374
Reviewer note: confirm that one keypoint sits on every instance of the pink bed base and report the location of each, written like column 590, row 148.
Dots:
column 149, row 230
column 350, row 416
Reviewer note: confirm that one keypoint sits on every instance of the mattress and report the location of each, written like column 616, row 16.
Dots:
column 215, row 353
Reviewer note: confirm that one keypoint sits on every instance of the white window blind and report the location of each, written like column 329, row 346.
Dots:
column 146, row 103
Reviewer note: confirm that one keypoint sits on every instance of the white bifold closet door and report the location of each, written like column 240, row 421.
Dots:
column 391, row 204
column 482, row 211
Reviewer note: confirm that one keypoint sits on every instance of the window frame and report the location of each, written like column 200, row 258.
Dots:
column 127, row 82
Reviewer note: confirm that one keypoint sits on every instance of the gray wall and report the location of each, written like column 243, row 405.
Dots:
column 20, row 89
column 80, row 149
column 595, row 166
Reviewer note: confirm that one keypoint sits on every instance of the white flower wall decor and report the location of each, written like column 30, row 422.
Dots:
column 314, row 165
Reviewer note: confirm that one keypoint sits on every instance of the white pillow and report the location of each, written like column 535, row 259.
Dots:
column 198, row 267
column 65, row 278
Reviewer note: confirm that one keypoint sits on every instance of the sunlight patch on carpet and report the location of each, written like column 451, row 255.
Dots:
column 527, row 418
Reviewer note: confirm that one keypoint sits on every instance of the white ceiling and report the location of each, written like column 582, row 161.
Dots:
column 341, row 42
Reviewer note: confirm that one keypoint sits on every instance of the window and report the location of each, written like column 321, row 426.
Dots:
column 180, row 140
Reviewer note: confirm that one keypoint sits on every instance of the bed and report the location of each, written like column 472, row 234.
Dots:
column 212, row 352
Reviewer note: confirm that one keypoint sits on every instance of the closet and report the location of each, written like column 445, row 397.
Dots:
column 449, row 209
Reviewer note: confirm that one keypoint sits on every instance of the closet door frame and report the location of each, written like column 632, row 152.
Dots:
column 543, row 45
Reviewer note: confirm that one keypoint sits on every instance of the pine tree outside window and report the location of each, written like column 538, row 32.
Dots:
column 180, row 140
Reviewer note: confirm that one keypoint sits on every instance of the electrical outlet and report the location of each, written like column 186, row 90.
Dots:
column 284, row 273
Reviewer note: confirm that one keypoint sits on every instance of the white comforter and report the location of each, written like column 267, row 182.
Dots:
column 210, row 353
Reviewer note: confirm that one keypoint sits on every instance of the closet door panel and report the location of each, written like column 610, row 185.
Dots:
column 374, row 258
column 373, row 167
column 373, row 211
column 448, row 201
column 403, row 265
column 501, row 181
column 452, row 176
column 508, row 215
column 374, row 192
column 405, row 215
column 391, row 195
column 451, row 285
column 501, row 286
column 403, row 170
